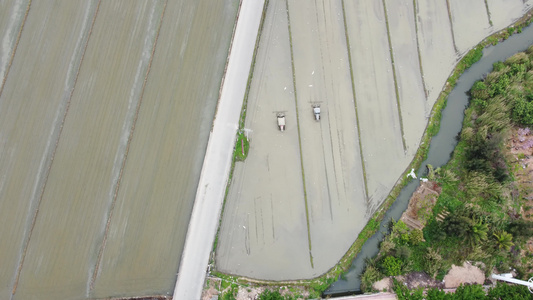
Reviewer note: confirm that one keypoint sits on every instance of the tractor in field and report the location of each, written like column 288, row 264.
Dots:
column 316, row 111
column 281, row 121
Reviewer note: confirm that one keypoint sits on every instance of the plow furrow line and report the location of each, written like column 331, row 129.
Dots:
column 415, row 14
column 355, row 101
column 299, row 136
column 394, row 76
column 451, row 25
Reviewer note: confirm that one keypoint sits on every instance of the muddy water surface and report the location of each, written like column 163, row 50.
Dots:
column 163, row 165
column 11, row 19
column 104, row 120
column 64, row 246
column 32, row 106
column 264, row 221
column 330, row 147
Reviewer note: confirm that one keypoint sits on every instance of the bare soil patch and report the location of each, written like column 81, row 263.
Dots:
column 384, row 284
column 420, row 279
column 467, row 274
column 215, row 288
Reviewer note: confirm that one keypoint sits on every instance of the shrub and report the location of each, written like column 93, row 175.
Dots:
column 480, row 89
column 437, row 294
column 457, row 224
column 504, row 240
column 392, row 266
column 522, row 112
column 369, row 277
column 473, row 56
column 478, row 232
column 520, row 228
column 509, row 292
column 471, row 292
column 479, row 104
column 416, row 237
column 403, row 293
column 230, row 294
column 432, row 262
column 403, row 252
column 518, row 58
column 387, row 245
column 241, row 141
column 401, row 232
column 270, row 295
column 497, row 66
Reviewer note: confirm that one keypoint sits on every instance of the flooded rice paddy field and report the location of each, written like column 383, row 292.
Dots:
column 376, row 68
column 104, row 118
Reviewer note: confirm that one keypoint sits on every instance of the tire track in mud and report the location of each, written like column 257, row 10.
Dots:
column 451, row 25
column 391, row 52
column 299, row 135
column 328, row 132
column 60, row 130
column 326, row 168
column 14, row 48
column 272, row 216
column 355, row 102
column 125, row 155
column 488, row 12
column 415, row 17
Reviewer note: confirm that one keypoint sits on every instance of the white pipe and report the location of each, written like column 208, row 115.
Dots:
column 529, row 283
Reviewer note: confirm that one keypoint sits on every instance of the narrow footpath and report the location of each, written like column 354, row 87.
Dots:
column 217, row 162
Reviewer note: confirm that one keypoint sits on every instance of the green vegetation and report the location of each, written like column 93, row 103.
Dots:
column 477, row 215
column 230, row 294
column 273, row 295
column 470, row 292
column 241, row 153
column 392, row 266
column 267, row 294
column 468, row 60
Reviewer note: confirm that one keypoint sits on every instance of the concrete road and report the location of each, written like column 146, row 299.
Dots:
column 215, row 171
